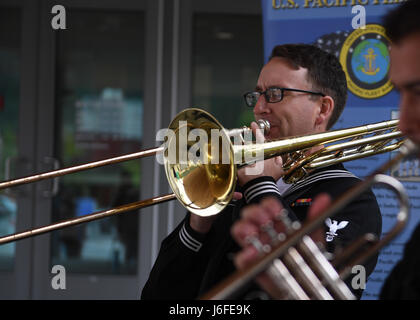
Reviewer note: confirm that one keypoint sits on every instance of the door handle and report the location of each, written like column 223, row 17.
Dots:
column 55, row 184
column 8, row 175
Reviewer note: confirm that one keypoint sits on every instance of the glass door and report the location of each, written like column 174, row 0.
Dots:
column 17, row 139
column 10, row 45
column 98, row 115
column 227, row 58
column 93, row 100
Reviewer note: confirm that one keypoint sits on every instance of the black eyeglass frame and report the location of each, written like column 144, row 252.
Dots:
column 267, row 98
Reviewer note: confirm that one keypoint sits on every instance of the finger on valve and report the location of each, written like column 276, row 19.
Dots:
column 257, row 229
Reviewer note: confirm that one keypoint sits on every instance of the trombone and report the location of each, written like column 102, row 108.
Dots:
column 206, row 187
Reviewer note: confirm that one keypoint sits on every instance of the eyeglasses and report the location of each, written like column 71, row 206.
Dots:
column 271, row 95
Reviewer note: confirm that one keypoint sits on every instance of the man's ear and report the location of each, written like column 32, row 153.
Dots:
column 325, row 111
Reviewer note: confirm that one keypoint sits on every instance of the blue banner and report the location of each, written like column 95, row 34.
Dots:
column 351, row 30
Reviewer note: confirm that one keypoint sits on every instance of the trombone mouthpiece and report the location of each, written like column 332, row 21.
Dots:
column 264, row 125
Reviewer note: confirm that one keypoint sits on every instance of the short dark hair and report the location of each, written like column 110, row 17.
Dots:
column 325, row 72
column 403, row 20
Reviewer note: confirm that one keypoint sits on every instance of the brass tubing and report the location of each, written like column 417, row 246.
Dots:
column 82, row 167
column 366, row 142
column 328, row 155
column 402, row 218
column 320, row 164
column 353, row 248
column 87, row 218
column 291, row 144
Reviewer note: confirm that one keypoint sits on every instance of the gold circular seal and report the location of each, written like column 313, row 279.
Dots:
column 364, row 57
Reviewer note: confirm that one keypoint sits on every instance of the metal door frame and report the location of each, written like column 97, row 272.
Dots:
column 16, row 284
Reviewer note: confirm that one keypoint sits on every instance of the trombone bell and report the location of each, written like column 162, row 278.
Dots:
column 204, row 184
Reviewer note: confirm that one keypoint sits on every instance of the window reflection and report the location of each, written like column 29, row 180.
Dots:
column 227, row 52
column 100, row 107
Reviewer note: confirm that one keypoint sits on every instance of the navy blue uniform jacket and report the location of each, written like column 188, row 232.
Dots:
column 190, row 263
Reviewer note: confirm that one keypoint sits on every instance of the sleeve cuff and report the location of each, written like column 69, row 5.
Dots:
column 260, row 187
column 191, row 238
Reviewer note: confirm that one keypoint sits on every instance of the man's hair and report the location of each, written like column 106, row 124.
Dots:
column 403, row 20
column 324, row 72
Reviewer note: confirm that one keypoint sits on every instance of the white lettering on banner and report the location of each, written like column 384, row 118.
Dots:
column 359, row 20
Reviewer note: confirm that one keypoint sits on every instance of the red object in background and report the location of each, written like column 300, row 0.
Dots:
column 1, row 103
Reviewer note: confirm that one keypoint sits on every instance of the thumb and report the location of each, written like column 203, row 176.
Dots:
column 258, row 132
column 278, row 161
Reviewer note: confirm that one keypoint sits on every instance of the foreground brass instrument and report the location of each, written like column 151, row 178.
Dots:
column 204, row 186
column 298, row 268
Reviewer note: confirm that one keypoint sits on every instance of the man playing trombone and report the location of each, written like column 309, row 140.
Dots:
column 403, row 28
column 301, row 90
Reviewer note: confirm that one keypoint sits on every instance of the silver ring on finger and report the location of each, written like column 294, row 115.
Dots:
column 258, row 245
column 268, row 228
column 283, row 216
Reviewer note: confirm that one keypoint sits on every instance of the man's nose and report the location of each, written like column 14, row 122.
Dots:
column 261, row 106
